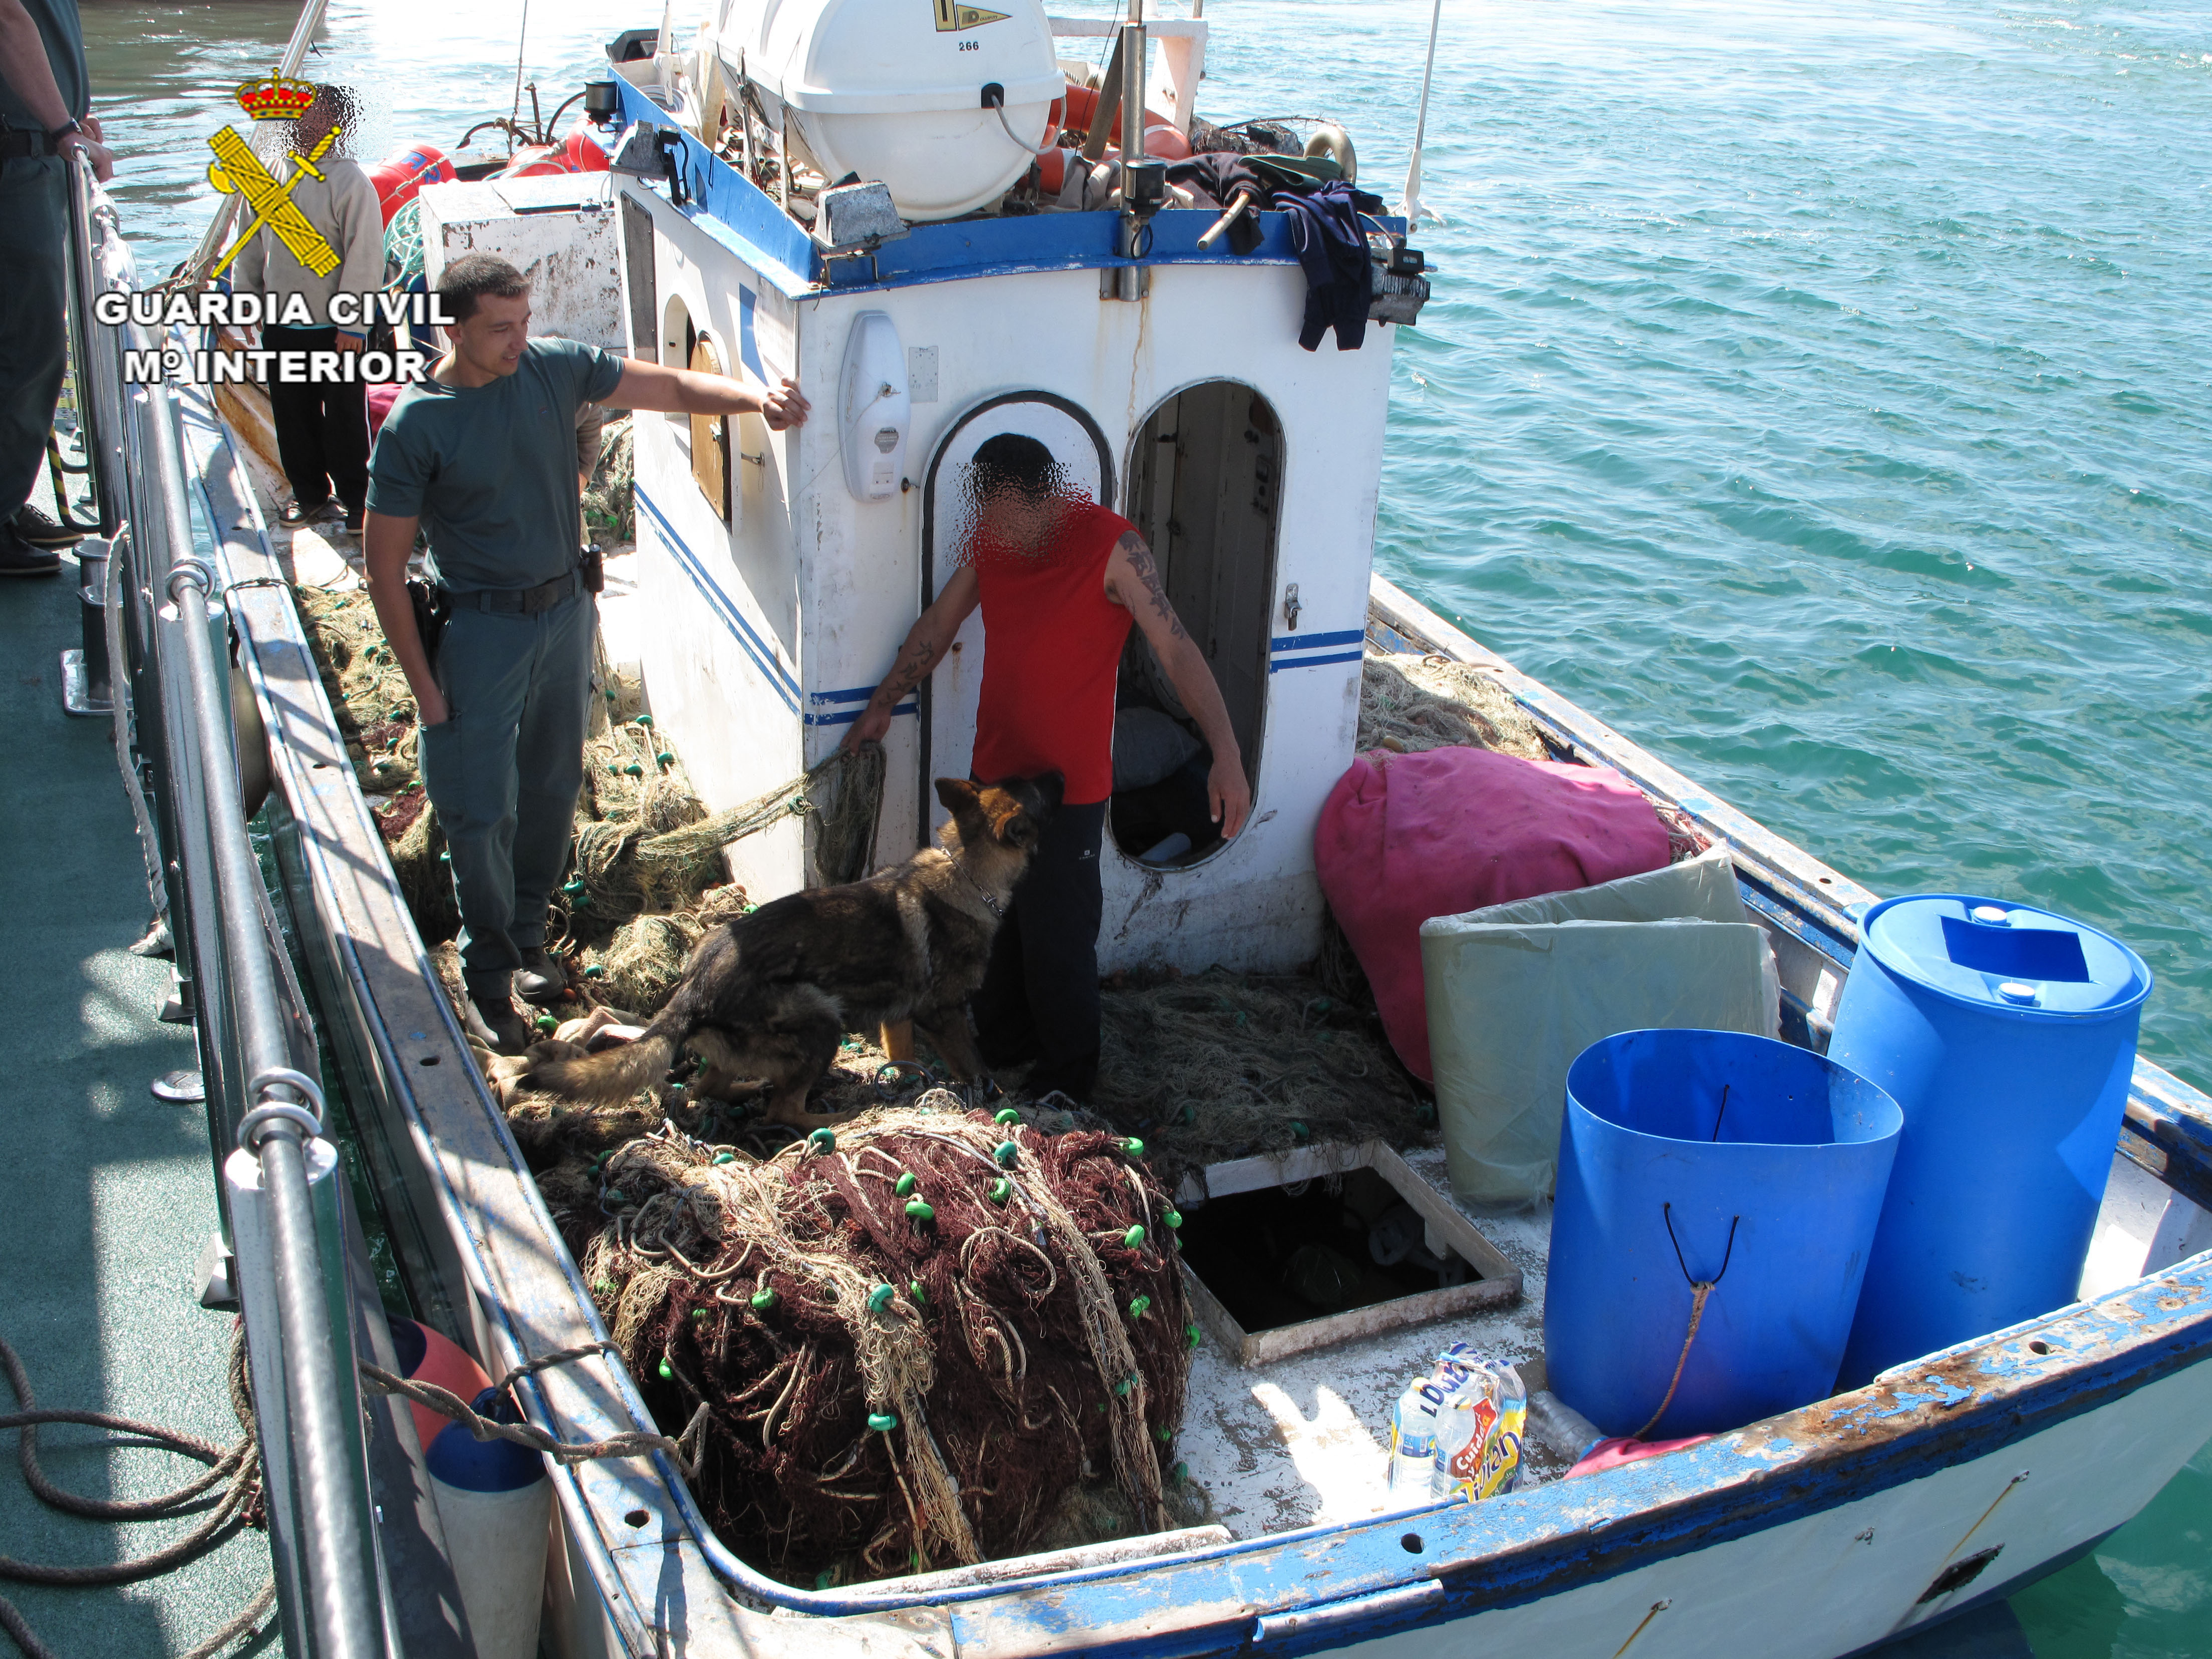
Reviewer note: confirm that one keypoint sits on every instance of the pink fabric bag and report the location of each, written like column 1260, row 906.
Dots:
column 1405, row 837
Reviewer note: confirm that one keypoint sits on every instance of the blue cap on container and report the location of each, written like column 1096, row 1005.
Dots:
column 459, row 1459
column 2009, row 957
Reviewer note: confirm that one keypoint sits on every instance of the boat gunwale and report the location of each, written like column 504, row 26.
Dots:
column 2064, row 1382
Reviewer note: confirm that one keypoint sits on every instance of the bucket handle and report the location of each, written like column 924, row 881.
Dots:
column 1699, row 1290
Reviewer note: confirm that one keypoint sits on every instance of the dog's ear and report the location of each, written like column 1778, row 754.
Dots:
column 964, row 801
column 1013, row 822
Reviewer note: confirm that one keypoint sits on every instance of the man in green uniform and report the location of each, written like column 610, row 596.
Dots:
column 45, row 97
column 483, row 453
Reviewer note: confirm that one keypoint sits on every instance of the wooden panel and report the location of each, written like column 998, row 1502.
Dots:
column 710, row 437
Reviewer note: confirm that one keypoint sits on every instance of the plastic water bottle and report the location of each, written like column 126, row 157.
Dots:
column 1413, row 1438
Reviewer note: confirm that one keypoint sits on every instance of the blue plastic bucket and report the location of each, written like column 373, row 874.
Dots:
column 2007, row 1035
column 1712, row 1156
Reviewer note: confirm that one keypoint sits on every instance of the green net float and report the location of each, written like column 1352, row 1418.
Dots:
column 665, row 759
column 905, row 1184
column 603, row 1287
column 1007, row 1153
column 1122, row 1389
column 614, row 769
column 445, row 858
column 634, row 770
column 1300, row 1132
column 1165, row 1435
column 1135, row 1236
column 824, row 1141
column 1008, row 1115
column 667, row 1371
column 726, row 1157
column 919, row 1209
column 1140, row 1306
column 1193, row 1335
column 698, row 1313
column 763, row 1300
column 645, row 720
column 824, row 1579
column 1134, row 1148
column 546, row 1023
column 1001, row 1190
column 880, row 1298
column 913, row 1289
column 882, row 1422
column 573, row 886
column 1180, row 1473
column 594, row 971
column 1171, row 1219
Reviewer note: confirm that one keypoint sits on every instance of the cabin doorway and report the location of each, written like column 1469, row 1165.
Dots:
column 1205, row 492
column 949, row 697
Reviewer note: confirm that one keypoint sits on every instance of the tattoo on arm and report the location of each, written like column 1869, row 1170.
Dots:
column 911, row 670
column 1133, row 549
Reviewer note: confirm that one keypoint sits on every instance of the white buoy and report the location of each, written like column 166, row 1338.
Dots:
column 494, row 1503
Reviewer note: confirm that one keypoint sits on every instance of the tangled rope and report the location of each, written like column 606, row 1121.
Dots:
column 899, row 1344
column 236, row 1469
column 631, row 1443
column 844, row 793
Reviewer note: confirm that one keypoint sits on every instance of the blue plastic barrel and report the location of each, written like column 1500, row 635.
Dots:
column 1712, row 1156
column 2007, row 1035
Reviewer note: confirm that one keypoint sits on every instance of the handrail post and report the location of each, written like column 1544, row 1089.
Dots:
column 284, row 1194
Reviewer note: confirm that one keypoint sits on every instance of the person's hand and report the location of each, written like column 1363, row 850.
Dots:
column 102, row 158
column 869, row 728
column 349, row 342
column 782, row 407
column 91, row 124
column 430, row 707
column 1228, row 795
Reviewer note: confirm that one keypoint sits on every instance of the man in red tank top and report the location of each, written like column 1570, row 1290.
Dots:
column 1059, row 580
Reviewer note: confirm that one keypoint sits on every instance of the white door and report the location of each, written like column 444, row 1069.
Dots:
column 949, row 695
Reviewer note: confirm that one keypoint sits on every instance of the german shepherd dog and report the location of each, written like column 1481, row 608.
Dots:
column 766, row 997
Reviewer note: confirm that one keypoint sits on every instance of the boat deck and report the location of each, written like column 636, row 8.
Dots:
column 113, row 1192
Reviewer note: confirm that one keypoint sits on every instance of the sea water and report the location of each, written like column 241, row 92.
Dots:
column 1815, row 392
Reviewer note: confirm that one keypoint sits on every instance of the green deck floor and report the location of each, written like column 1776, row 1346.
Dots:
column 108, row 1194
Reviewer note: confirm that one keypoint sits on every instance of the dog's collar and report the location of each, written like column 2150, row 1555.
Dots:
column 981, row 892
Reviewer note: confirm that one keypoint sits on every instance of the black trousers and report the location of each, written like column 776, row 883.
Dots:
column 322, row 429
column 1039, row 999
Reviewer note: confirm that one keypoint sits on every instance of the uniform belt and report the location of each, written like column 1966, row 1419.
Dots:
column 524, row 601
column 16, row 145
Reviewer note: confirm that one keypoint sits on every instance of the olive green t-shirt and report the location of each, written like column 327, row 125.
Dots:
column 492, row 469
column 61, row 32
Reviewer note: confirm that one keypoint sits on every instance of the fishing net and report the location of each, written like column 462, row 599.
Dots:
column 1219, row 1066
column 610, row 495
column 899, row 1348
column 1411, row 703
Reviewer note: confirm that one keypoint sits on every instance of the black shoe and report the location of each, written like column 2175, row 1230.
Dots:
column 493, row 1022
column 294, row 515
column 20, row 558
column 36, row 528
column 540, row 979
column 351, row 523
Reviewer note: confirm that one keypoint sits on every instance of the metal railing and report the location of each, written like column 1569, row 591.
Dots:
column 283, row 1190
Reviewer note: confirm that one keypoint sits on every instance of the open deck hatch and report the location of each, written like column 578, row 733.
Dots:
column 1288, row 1255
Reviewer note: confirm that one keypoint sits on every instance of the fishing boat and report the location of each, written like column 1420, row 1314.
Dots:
column 773, row 574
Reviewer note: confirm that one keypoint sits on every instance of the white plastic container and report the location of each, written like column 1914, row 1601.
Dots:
column 893, row 90
column 494, row 1503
